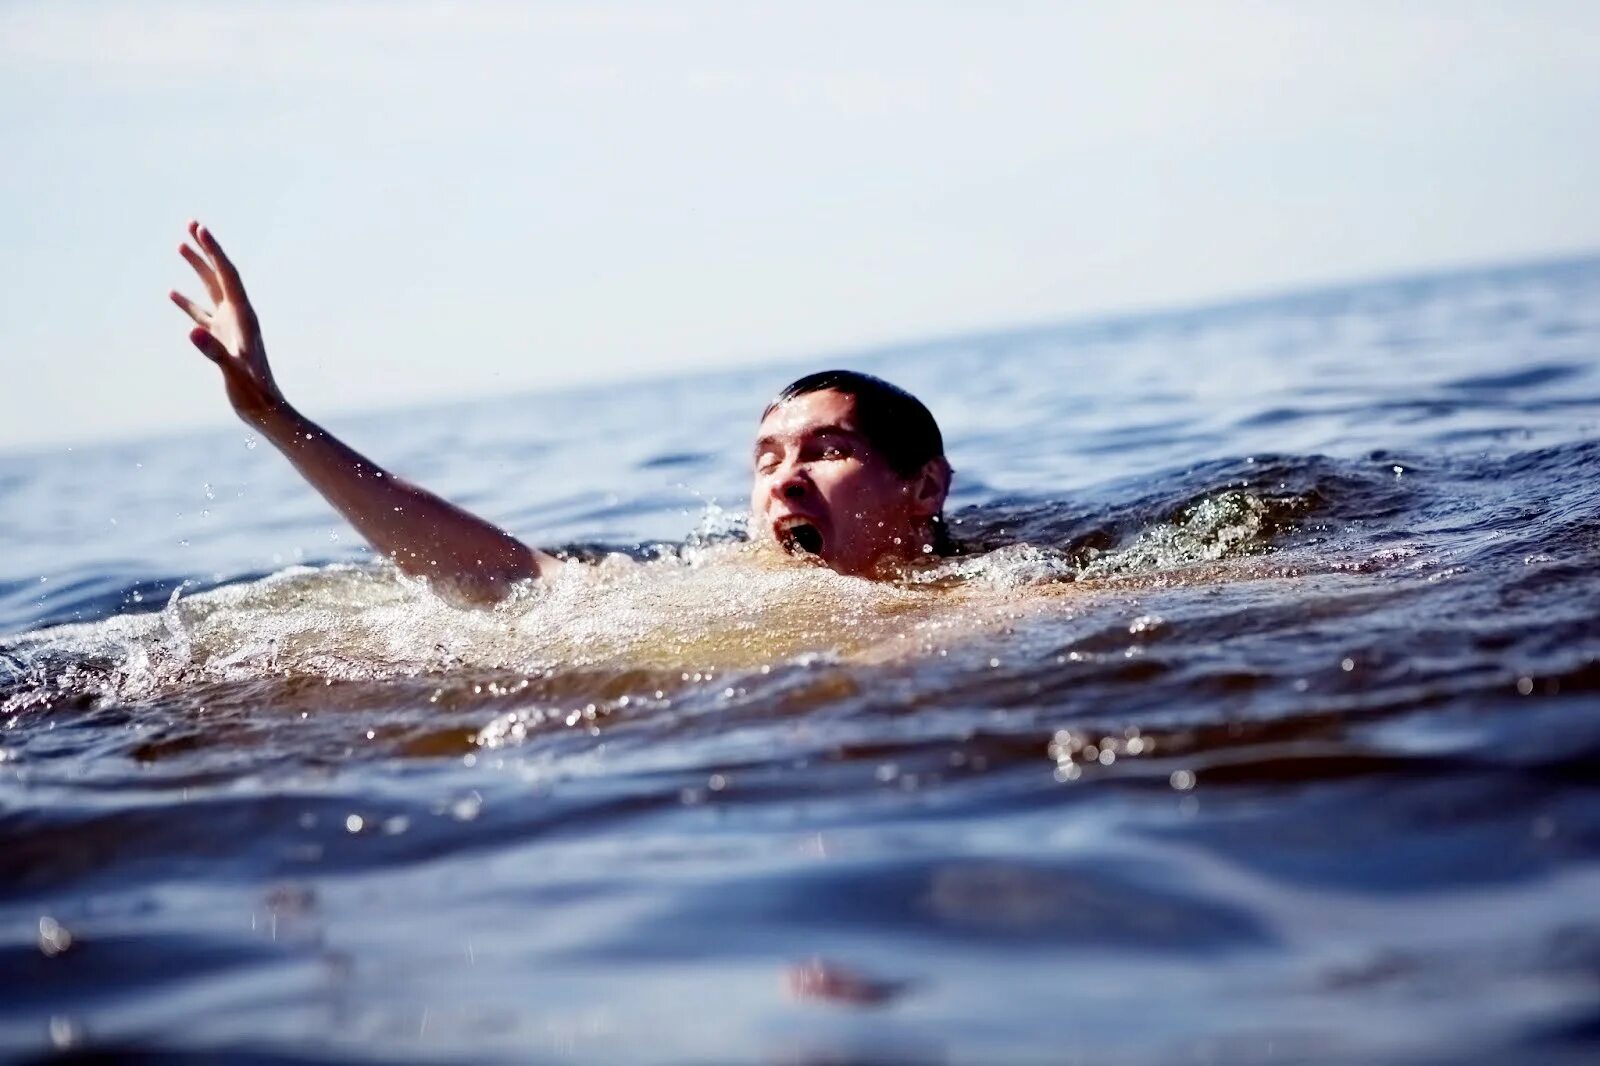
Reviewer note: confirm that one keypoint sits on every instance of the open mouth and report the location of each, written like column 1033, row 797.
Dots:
column 798, row 536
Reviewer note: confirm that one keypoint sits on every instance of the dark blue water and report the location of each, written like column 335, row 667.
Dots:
column 1260, row 721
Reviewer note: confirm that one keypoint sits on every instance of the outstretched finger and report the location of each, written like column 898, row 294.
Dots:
column 232, row 287
column 203, row 268
column 201, row 317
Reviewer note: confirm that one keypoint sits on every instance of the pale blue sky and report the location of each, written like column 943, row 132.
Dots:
column 447, row 200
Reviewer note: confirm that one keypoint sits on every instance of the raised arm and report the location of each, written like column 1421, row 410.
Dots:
column 464, row 557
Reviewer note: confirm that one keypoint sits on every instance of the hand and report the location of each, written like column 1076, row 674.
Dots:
column 228, row 334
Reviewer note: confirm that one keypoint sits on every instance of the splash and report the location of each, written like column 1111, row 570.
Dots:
column 704, row 608
column 1224, row 526
column 710, row 604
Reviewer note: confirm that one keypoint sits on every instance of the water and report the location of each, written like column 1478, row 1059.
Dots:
column 1258, row 723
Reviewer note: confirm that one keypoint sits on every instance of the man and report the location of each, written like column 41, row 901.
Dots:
column 849, row 470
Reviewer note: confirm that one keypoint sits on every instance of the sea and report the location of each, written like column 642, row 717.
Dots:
column 1257, row 719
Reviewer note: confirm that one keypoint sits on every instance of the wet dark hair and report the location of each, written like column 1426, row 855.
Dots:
column 895, row 423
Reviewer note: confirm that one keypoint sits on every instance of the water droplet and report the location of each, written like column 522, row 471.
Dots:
column 249, row 442
column 54, row 938
column 210, row 493
column 1182, row 780
column 63, row 1034
column 354, row 823
column 1347, row 665
column 1525, row 686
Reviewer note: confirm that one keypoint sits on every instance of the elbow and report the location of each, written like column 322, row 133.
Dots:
column 479, row 588
column 471, row 582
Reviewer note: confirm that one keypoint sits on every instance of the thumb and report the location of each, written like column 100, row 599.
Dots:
column 209, row 346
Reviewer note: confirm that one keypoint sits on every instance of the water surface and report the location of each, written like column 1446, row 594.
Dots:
column 1257, row 723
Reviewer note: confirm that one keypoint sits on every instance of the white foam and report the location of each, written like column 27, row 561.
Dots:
column 708, row 606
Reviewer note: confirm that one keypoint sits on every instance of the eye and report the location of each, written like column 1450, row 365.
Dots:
column 834, row 451
column 766, row 461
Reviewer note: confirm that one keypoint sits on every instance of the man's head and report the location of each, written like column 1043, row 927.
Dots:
column 850, row 469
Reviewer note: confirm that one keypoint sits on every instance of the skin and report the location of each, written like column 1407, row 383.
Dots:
column 812, row 465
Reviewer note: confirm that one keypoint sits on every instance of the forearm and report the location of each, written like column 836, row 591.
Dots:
column 463, row 556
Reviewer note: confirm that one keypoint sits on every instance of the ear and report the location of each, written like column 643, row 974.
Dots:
column 930, row 487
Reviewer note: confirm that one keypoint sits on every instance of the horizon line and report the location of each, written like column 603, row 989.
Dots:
column 1112, row 318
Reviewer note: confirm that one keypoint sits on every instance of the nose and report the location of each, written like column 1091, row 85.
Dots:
column 791, row 482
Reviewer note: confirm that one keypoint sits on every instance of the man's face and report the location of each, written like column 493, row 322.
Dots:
column 821, row 490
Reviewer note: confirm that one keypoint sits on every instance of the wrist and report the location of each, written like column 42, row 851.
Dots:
column 269, row 415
